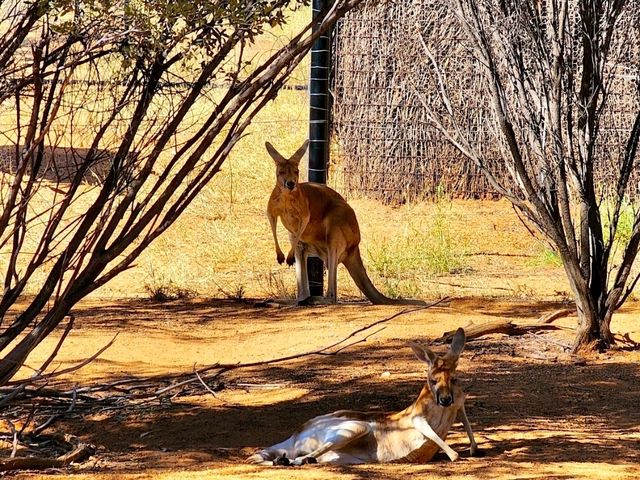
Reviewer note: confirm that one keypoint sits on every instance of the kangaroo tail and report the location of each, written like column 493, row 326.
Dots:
column 356, row 269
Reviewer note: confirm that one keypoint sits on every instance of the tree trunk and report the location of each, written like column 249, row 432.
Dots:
column 594, row 331
column 594, row 316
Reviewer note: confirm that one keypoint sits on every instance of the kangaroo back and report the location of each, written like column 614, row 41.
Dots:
column 355, row 267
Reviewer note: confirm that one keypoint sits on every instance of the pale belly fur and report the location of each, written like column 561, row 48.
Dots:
column 384, row 442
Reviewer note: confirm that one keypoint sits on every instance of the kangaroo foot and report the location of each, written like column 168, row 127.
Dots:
column 304, row 461
column 313, row 300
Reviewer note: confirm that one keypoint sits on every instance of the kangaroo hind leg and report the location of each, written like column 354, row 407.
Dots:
column 336, row 438
column 332, row 270
column 268, row 456
column 302, row 276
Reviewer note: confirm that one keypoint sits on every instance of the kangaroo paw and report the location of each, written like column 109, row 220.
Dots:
column 282, row 461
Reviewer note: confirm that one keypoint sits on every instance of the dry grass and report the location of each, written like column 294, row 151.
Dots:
column 179, row 259
column 222, row 245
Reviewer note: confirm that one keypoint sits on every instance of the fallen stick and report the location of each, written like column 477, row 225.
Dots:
column 81, row 452
column 508, row 327
column 14, row 443
column 550, row 317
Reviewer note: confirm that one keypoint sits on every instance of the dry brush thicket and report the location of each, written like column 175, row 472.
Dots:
column 541, row 96
column 390, row 149
column 111, row 125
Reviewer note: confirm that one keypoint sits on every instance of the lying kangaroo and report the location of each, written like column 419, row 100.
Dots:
column 320, row 223
column 413, row 435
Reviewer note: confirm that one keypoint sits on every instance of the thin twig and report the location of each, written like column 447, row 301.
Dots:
column 223, row 368
column 213, row 393
column 14, row 432
column 53, row 418
column 57, row 373
column 11, row 395
column 384, row 320
column 207, row 387
column 26, row 423
column 356, row 342
column 54, row 354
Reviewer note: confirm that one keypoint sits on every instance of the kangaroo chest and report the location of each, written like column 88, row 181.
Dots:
column 426, row 450
column 402, row 442
column 293, row 211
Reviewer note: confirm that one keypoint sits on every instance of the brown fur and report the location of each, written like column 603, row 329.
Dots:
column 320, row 223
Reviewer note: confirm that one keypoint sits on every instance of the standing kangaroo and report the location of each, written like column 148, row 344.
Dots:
column 320, row 223
column 413, row 435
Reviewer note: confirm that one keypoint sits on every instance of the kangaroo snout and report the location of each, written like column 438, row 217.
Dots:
column 290, row 184
column 445, row 400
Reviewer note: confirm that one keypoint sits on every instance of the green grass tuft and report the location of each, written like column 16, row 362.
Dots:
column 419, row 251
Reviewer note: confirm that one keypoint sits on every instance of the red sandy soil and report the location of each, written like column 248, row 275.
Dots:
column 537, row 411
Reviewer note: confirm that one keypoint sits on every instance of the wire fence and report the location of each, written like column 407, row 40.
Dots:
column 388, row 147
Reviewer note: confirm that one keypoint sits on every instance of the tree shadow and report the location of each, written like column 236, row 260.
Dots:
column 221, row 313
column 521, row 412
column 512, row 309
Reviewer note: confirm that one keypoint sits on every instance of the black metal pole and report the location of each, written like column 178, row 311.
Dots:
column 319, row 111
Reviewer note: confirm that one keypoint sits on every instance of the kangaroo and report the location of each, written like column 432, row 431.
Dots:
column 320, row 223
column 413, row 435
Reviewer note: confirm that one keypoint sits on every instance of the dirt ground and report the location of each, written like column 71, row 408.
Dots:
column 537, row 412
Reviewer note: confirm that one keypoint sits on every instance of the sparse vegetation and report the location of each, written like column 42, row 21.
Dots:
column 277, row 284
column 160, row 289
column 236, row 292
column 626, row 216
column 420, row 250
column 544, row 256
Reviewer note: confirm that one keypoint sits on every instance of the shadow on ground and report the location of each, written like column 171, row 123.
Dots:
column 521, row 412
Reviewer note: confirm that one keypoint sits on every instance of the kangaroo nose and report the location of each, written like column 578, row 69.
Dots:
column 290, row 184
column 445, row 400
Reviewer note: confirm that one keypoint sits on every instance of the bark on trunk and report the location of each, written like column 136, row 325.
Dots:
column 594, row 316
column 594, row 332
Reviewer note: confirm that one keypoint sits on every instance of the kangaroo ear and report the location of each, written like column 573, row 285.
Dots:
column 274, row 153
column 423, row 353
column 458, row 341
column 300, row 152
